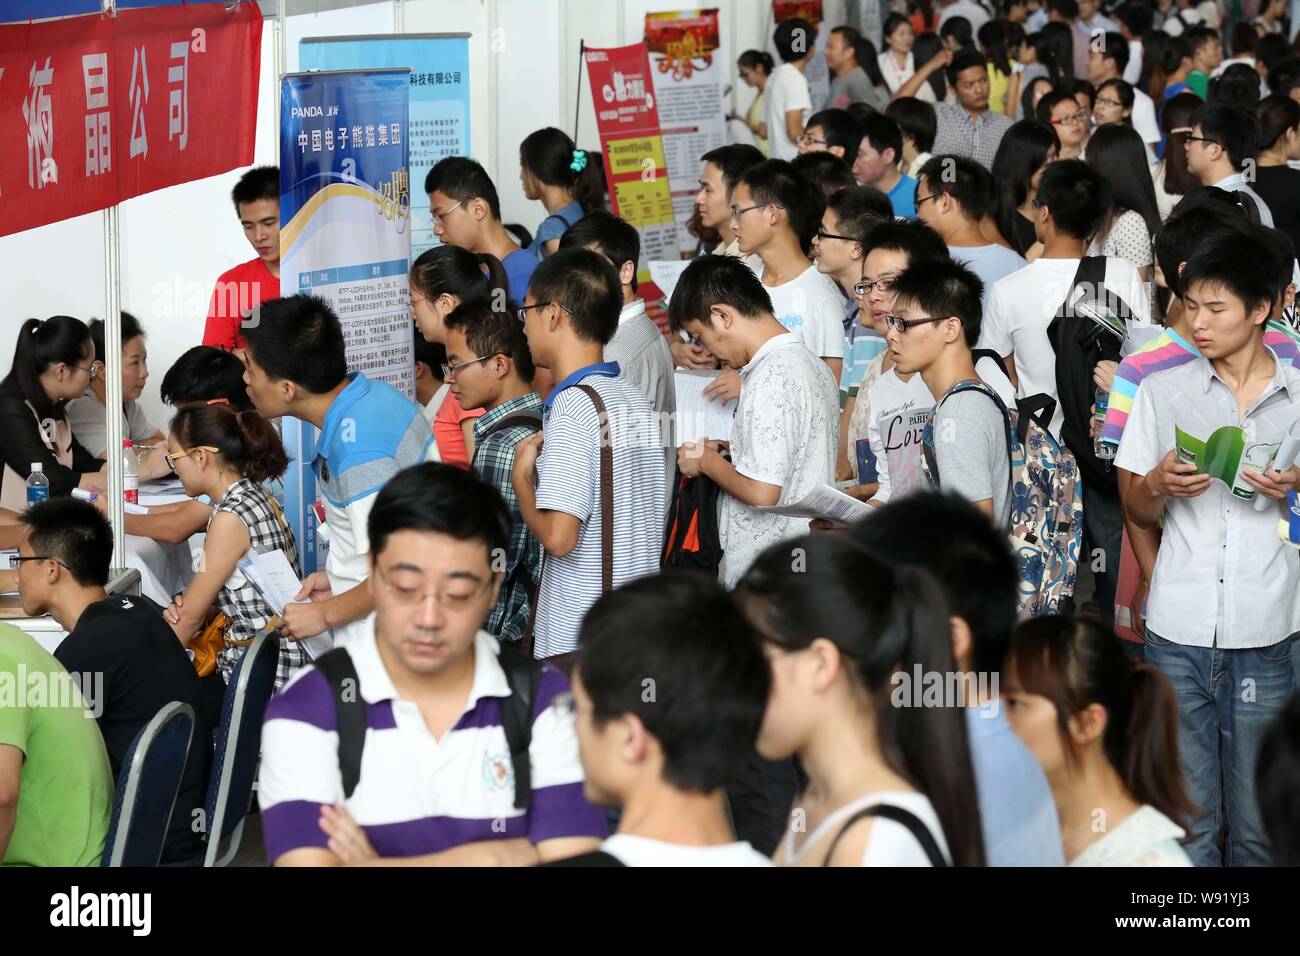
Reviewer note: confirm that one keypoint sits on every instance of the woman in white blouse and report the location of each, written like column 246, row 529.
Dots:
column 1105, row 730
column 897, row 64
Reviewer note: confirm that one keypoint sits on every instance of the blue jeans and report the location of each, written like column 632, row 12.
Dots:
column 1219, row 734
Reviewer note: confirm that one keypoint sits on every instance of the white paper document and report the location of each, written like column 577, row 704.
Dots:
column 697, row 416
column 273, row 576
column 665, row 273
column 824, row 502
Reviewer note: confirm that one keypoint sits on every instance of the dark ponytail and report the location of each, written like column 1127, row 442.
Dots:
column 469, row 276
column 60, row 338
column 1075, row 663
column 553, row 158
column 244, row 439
column 757, row 59
column 886, row 624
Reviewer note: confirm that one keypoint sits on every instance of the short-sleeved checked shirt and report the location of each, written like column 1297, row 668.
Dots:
column 957, row 134
column 238, row 599
column 494, row 461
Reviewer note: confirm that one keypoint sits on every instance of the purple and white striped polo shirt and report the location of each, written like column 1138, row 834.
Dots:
column 419, row 795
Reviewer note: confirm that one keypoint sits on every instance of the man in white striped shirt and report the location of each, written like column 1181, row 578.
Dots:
column 570, row 314
column 437, row 782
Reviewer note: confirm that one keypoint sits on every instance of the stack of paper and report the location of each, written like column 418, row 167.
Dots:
column 697, row 416
column 273, row 576
column 824, row 502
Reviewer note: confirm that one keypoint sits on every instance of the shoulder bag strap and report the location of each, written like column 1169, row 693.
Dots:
column 903, row 818
column 606, row 492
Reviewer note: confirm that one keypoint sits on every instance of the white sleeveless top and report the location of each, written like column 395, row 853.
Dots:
column 890, row 844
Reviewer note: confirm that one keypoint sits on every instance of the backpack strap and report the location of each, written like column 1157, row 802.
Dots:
column 349, row 713
column 975, row 385
column 903, row 818
column 524, row 675
column 1247, row 204
column 992, row 356
column 606, row 492
column 531, row 420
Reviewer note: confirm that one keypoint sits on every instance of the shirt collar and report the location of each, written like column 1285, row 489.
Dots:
column 489, row 418
column 357, row 387
column 376, row 686
column 1279, row 380
column 632, row 310
column 784, row 340
column 607, row 369
column 1235, row 181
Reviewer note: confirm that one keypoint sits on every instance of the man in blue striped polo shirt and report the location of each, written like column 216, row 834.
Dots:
column 297, row 365
column 437, row 782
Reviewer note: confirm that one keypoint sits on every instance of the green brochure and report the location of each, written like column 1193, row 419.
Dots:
column 1224, row 455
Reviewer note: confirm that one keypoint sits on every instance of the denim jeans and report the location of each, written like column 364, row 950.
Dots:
column 1226, row 700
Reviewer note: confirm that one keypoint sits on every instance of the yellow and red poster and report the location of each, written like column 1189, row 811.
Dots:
column 636, row 169
column 688, row 68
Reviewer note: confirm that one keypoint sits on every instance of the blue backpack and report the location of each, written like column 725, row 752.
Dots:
column 1046, row 499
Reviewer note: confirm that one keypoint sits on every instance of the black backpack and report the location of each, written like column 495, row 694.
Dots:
column 691, row 540
column 1080, row 343
column 523, row 674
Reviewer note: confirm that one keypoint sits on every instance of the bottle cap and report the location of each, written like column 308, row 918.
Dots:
column 37, row 466
column 126, row 443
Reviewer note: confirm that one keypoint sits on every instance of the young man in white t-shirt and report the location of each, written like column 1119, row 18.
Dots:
column 1019, row 308
column 666, row 758
column 775, row 214
column 570, row 314
column 784, row 438
column 788, row 99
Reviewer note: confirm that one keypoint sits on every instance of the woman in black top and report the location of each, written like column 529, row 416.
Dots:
column 1277, row 140
column 53, row 361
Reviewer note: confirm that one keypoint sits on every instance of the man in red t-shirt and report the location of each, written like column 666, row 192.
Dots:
column 242, row 289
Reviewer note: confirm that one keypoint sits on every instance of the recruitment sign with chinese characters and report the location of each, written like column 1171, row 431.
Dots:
column 345, row 236
column 440, row 114
column 688, row 70
column 635, row 166
column 95, row 110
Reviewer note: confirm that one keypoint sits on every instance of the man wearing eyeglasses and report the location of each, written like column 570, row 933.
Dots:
column 934, row 326
column 1108, row 60
column 436, row 782
column 1221, row 142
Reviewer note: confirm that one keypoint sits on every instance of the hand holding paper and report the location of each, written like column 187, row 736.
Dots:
column 1284, row 464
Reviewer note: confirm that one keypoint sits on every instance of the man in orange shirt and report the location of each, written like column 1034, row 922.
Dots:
column 242, row 289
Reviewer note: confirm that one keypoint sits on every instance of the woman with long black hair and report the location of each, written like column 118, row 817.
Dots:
column 1026, row 149
column 54, row 360
column 569, row 182
column 1172, row 178
column 1118, row 155
column 1105, row 730
column 890, row 783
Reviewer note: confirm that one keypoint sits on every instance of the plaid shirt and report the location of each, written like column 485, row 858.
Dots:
column 494, row 461
column 960, row 135
column 238, row 599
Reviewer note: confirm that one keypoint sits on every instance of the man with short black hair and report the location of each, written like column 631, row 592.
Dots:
column 239, row 291
column 203, row 374
column 971, row 562
column 120, row 647
column 435, row 755
column 570, row 314
column 1135, row 19
column 876, row 164
column 467, row 213
column 369, row 431
column 827, row 173
column 489, row 367
column 1207, row 54
column 933, row 330
column 666, row 760
column 722, row 167
column 783, row 443
column 788, row 99
column 847, row 57
column 1108, row 59
column 968, row 127
column 916, row 121
column 831, row 131
column 1222, row 611
column 1221, row 143
column 953, row 195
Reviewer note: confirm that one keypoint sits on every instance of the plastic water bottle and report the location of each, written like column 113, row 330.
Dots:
column 1102, row 449
column 38, row 486
column 130, row 473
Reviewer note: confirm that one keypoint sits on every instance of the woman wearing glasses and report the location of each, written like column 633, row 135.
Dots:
column 53, row 362
column 227, row 455
column 1070, row 120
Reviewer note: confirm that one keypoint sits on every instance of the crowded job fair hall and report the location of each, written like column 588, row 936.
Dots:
column 849, row 433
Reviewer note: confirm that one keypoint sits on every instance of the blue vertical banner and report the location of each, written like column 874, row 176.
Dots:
column 440, row 111
column 345, row 235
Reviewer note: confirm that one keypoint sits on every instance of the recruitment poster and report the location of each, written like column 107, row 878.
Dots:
column 817, row 72
column 627, row 120
column 345, row 235
column 688, row 68
column 439, row 103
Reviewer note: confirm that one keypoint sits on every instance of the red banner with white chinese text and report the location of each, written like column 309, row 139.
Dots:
column 97, row 109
